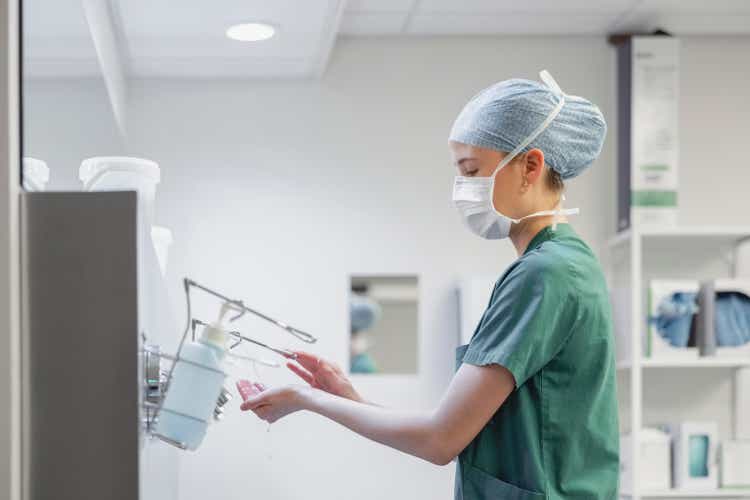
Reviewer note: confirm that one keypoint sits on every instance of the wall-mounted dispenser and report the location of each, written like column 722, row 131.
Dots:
column 180, row 403
column 92, row 368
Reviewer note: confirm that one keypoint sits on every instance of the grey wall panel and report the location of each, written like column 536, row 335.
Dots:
column 80, row 329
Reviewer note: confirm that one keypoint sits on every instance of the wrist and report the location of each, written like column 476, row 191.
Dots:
column 308, row 397
column 351, row 393
column 356, row 397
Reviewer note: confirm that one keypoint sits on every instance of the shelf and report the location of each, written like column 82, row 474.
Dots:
column 716, row 232
column 714, row 362
column 720, row 493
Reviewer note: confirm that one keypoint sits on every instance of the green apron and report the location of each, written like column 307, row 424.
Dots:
column 556, row 436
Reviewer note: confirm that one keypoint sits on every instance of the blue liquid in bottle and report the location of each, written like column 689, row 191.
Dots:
column 193, row 390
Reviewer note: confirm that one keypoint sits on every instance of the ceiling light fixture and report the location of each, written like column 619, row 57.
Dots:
column 251, row 32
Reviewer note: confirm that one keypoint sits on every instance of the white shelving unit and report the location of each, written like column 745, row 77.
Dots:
column 717, row 362
column 626, row 260
column 721, row 493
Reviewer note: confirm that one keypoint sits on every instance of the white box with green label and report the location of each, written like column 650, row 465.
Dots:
column 648, row 100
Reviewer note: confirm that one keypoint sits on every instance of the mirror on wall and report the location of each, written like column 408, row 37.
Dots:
column 68, row 111
column 383, row 321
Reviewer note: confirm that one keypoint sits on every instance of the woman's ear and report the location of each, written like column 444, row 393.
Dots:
column 533, row 165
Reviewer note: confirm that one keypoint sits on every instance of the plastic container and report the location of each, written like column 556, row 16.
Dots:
column 122, row 173
column 35, row 174
column 162, row 240
column 654, row 461
column 193, row 391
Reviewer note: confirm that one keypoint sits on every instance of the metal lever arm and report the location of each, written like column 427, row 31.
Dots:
column 242, row 309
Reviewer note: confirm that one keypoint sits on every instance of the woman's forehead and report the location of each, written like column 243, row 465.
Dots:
column 466, row 153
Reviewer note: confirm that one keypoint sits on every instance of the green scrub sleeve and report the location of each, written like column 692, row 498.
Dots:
column 528, row 320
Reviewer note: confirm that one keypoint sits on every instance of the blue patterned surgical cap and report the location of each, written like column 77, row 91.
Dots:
column 501, row 116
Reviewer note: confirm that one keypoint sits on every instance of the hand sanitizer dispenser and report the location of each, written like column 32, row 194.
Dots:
column 178, row 404
column 196, row 384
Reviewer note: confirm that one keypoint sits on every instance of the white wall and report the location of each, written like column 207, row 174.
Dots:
column 714, row 130
column 65, row 121
column 277, row 191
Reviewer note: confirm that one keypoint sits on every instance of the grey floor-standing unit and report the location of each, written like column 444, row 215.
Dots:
column 80, row 342
column 82, row 381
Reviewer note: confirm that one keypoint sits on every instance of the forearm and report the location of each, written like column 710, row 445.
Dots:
column 438, row 436
column 414, row 433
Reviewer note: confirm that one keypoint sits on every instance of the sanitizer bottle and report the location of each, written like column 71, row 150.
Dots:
column 194, row 388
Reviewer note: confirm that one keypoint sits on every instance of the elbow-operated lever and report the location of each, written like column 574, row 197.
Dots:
column 241, row 309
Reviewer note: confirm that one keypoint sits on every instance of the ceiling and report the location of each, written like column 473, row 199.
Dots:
column 544, row 17
column 185, row 39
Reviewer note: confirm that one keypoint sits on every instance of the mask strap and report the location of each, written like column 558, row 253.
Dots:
column 550, row 82
column 554, row 87
column 557, row 212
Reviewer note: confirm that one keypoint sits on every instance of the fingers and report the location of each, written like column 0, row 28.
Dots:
column 253, row 404
column 309, row 361
column 254, row 395
column 249, row 389
column 313, row 363
column 263, row 413
column 268, row 415
column 301, row 373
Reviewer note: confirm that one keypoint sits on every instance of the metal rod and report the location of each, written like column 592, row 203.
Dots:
column 264, row 362
column 281, row 352
column 173, row 442
column 186, row 285
column 175, row 412
column 183, row 360
column 301, row 335
column 146, row 404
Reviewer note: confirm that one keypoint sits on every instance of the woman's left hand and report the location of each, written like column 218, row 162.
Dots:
column 272, row 404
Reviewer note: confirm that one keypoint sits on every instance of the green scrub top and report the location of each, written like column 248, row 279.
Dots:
column 549, row 323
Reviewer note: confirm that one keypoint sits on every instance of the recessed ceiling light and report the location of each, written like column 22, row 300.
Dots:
column 251, row 32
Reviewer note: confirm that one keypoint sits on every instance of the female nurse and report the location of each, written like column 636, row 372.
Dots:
column 531, row 412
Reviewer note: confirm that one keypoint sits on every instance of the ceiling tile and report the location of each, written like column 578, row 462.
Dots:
column 185, row 37
column 687, row 24
column 689, row 17
column 696, row 6
column 221, row 67
column 510, row 24
column 180, row 17
column 707, row 24
column 586, row 7
column 383, row 23
column 379, row 5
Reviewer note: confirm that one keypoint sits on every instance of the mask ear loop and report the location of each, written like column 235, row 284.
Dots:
column 552, row 84
column 558, row 212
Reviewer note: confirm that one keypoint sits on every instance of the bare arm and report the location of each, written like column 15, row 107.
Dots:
column 473, row 396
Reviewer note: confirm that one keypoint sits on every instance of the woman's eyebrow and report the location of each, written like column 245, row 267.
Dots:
column 462, row 160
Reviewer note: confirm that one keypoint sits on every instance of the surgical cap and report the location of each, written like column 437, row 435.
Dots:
column 500, row 117
column 363, row 312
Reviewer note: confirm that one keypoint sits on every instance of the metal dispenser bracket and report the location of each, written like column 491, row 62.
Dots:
column 156, row 380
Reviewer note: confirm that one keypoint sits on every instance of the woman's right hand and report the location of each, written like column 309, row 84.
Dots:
column 323, row 375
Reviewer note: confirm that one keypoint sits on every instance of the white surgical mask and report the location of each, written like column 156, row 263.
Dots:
column 473, row 196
